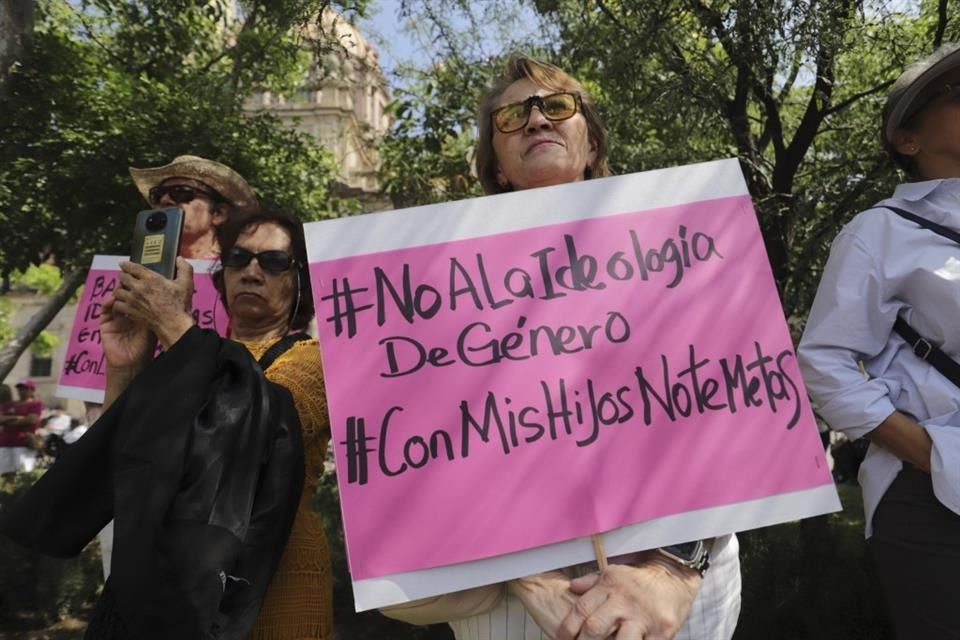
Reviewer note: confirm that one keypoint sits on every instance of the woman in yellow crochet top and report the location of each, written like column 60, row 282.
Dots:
column 265, row 281
column 298, row 603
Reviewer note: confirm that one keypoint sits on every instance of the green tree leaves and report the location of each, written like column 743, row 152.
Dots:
column 110, row 83
column 794, row 89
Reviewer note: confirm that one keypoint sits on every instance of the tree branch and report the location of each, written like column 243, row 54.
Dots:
column 14, row 348
column 248, row 24
column 840, row 106
column 817, row 106
column 737, row 109
column 90, row 33
column 826, row 226
column 613, row 18
column 791, row 77
column 941, row 23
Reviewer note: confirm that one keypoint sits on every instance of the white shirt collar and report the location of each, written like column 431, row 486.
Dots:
column 916, row 191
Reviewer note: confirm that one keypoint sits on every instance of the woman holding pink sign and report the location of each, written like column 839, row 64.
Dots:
column 537, row 128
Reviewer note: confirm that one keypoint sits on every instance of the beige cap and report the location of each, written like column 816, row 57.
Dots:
column 217, row 176
column 917, row 77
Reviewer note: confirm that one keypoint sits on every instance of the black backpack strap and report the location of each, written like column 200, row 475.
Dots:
column 923, row 348
column 923, row 222
column 280, row 348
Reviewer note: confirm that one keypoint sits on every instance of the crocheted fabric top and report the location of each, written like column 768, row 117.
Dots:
column 299, row 601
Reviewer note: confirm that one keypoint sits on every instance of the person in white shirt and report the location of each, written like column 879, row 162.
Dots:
column 538, row 127
column 883, row 266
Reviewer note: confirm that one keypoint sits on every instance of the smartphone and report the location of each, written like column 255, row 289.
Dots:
column 156, row 239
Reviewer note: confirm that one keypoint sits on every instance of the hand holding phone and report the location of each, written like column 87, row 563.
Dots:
column 156, row 239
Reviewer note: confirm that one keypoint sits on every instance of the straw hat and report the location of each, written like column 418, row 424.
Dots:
column 917, row 77
column 219, row 177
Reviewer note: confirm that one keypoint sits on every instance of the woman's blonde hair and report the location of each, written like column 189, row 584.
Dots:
column 549, row 77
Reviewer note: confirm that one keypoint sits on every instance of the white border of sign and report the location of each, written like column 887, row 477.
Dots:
column 418, row 226
column 692, row 525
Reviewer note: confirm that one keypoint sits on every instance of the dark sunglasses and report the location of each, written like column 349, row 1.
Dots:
column 554, row 107
column 181, row 194
column 272, row 261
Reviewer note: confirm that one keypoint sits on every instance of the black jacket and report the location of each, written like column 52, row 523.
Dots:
column 200, row 464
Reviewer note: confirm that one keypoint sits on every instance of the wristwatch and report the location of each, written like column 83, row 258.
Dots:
column 693, row 555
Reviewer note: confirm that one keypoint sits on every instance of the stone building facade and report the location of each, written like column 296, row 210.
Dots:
column 44, row 371
column 342, row 104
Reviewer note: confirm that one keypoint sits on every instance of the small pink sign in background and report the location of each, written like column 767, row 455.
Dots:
column 84, row 370
column 504, row 392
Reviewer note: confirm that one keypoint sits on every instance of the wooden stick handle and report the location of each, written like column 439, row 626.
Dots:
column 598, row 550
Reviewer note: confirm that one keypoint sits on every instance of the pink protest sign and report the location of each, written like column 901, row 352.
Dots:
column 84, row 370
column 520, row 371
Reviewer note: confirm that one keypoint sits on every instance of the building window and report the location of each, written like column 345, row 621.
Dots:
column 305, row 96
column 40, row 367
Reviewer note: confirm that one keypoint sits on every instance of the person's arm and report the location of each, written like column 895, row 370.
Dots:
column 20, row 422
column 128, row 347
column 547, row 597
column 145, row 306
column 449, row 606
column 649, row 599
column 905, row 438
column 24, row 421
column 160, row 304
column 844, row 326
column 851, row 320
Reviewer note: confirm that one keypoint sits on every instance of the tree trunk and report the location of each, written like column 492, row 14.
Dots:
column 16, row 27
column 14, row 348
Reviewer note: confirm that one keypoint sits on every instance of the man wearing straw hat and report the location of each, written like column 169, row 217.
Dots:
column 208, row 192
